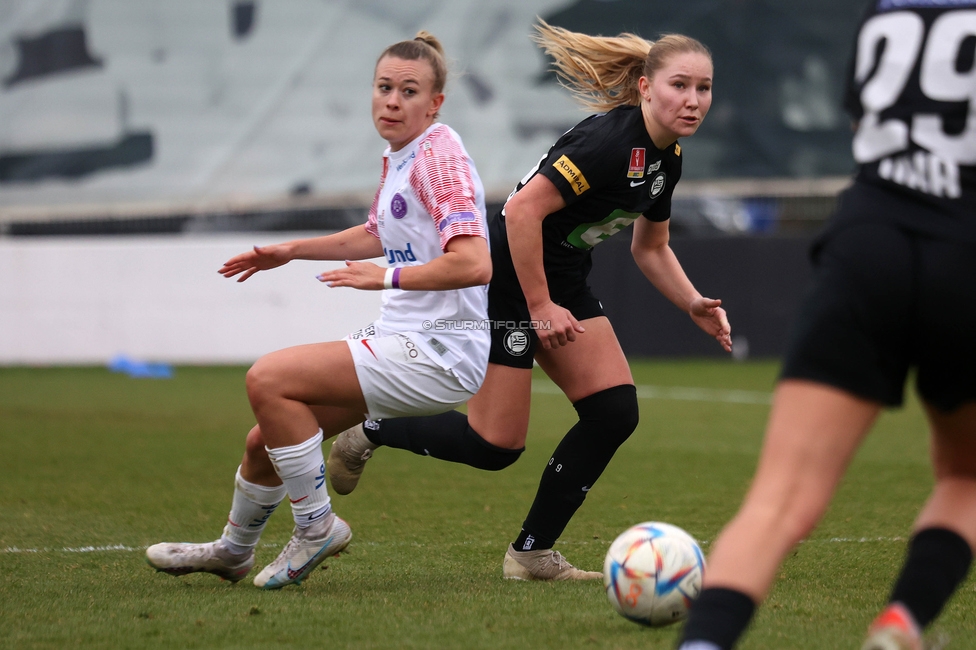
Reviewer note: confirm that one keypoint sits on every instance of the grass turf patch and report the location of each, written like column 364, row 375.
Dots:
column 95, row 466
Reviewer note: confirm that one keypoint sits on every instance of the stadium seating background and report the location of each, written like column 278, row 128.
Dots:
column 189, row 119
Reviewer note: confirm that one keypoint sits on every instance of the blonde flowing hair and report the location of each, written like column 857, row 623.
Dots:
column 602, row 71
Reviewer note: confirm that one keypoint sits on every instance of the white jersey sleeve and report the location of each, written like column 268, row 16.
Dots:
column 371, row 221
column 441, row 180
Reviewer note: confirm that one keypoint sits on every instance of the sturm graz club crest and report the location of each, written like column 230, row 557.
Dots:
column 657, row 185
column 517, row 342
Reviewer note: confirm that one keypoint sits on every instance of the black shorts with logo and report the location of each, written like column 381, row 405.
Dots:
column 884, row 300
column 513, row 339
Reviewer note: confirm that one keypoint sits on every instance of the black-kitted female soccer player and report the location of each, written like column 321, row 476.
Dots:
column 894, row 288
column 612, row 170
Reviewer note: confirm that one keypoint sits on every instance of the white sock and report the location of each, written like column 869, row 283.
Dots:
column 698, row 645
column 249, row 512
column 302, row 469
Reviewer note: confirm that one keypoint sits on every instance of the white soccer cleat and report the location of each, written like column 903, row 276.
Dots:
column 307, row 549
column 211, row 557
column 544, row 564
column 347, row 458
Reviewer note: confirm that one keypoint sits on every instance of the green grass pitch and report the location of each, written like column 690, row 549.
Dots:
column 94, row 467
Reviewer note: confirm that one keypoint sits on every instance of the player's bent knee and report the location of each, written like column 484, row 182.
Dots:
column 261, row 381
column 614, row 409
column 254, row 445
column 490, row 457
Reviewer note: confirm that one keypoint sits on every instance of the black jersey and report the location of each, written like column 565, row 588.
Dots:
column 912, row 91
column 609, row 172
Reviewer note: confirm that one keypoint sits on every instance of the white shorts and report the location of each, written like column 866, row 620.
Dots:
column 398, row 379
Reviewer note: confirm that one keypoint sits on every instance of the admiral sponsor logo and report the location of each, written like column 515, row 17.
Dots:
column 394, row 255
column 654, row 167
column 677, row 149
column 403, row 163
column 657, row 185
column 457, row 217
column 637, row 157
column 576, row 179
column 428, row 151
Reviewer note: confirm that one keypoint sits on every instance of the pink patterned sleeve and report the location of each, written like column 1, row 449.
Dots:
column 442, row 180
column 371, row 221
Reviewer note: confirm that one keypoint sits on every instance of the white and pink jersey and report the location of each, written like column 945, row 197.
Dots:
column 430, row 192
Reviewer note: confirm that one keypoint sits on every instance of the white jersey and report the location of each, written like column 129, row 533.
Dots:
column 430, row 192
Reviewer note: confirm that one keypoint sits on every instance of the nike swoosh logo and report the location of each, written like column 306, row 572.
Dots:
column 635, row 183
column 369, row 348
column 298, row 500
column 294, row 573
column 586, row 489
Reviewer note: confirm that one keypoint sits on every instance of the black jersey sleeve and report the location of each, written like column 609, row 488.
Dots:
column 660, row 210
column 581, row 162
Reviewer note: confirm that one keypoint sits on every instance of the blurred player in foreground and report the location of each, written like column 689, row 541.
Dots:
column 613, row 169
column 894, row 288
column 428, row 220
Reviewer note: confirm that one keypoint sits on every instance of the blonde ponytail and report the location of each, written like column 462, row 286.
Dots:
column 602, row 71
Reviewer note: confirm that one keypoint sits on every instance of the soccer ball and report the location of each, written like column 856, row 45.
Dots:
column 652, row 573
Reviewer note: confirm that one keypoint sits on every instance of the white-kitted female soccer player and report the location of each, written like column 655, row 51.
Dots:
column 615, row 168
column 428, row 220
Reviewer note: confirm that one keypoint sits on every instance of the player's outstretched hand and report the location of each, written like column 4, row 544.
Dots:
column 709, row 316
column 262, row 258
column 555, row 326
column 358, row 275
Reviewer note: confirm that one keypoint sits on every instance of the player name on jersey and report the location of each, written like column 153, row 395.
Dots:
column 923, row 172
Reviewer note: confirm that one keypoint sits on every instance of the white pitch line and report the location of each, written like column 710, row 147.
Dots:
column 133, row 549
column 647, row 391
column 76, row 549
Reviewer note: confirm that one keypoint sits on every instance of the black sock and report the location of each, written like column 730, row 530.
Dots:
column 446, row 436
column 606, row 420
column 938, row 560
column 718, row 616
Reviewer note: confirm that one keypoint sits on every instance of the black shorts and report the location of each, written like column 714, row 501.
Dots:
column 883, row 301
column 513, row 337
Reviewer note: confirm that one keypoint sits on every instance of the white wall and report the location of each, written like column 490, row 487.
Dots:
column 82, row 300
